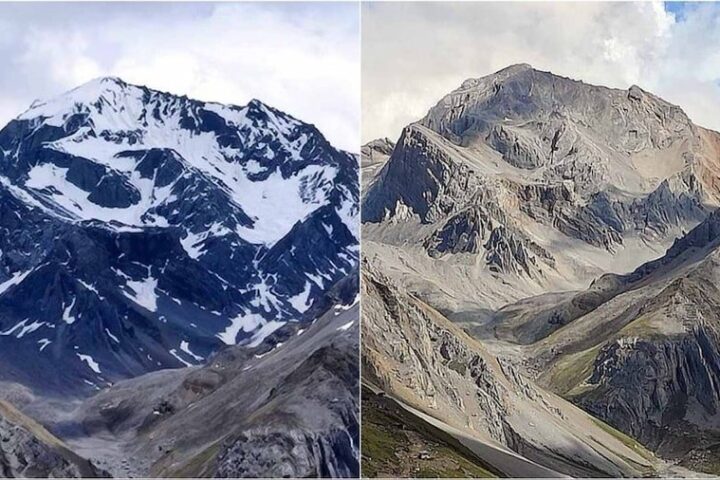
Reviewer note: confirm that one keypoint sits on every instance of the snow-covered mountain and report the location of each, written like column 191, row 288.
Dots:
column 142, row 230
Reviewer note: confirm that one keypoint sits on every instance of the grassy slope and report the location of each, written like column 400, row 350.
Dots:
column 393, row 440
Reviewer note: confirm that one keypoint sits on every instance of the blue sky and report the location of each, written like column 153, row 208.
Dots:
column 677, row 8
column 300, row 57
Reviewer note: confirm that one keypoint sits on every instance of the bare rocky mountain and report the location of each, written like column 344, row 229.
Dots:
column 567, row 231
column 642, row 350
column 524, row 182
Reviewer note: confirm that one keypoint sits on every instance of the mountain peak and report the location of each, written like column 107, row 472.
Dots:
column 257, row 103
column 497, row 77
column 87, row 93
column 108, row 80
column 98, row 86
column 515, row 68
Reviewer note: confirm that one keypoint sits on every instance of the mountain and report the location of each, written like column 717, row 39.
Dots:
column 566, row 232
column 141, row 230
column 525, row 182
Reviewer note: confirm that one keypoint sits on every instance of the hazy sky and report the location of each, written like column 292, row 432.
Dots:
column 414, row 53
column 300, row 58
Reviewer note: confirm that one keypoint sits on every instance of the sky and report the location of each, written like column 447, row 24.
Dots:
column 415, row 53
column 303, row 58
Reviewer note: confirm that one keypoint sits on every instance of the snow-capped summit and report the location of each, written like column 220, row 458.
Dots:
column 137, row 227
column 262, row 158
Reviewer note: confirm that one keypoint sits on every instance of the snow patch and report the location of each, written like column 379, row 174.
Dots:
column 67, row 316
column 143, row 293
column 44, row 342
column 300, row 301
column 185, row 347
column 14, row 280
column 245, row 322
column 112, row 337
column 264, row 332
column 94, row 366
column 346, row 326
column 175, row 354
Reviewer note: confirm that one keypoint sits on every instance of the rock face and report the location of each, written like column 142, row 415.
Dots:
column 28, row 450
column 140, row 230
column 539, row 176
column 373, row 156
column 642, row 350
column 414, row 354
column 288, row 407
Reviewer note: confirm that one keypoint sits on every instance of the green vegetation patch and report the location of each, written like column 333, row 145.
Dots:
column 567, row 375
column 396, row 443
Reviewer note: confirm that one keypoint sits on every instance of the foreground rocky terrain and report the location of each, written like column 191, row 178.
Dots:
column 568, row 229
column 275, row 411
column 288, row 407
column 414, row 354
column 29, row 450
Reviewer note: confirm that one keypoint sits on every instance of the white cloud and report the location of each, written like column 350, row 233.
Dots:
column 300, row 58
column 415, row 53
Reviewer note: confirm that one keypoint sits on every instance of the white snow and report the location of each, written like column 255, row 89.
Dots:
column 349, row 213
column 344, row 308
column 143, row 293
column 90, row 362
column 185, row 347
column 14, row 280
column 89, row 287
column 192, row 243
column 175, row 354
column 346, row 326
column 288, row 200
column 44, row 342
column 67, row 315
column 246, row 322
column 316, row 279
column 112, row 337
column 254, row 167
column 264, row 332
column 277, row 204
column 17, row 326
column 30, row 328
column 300, row 301
column 74, row 201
